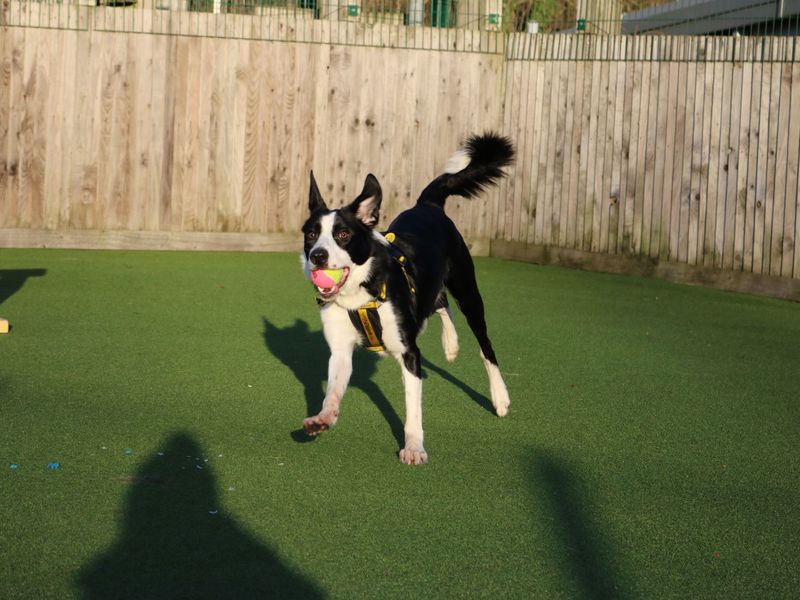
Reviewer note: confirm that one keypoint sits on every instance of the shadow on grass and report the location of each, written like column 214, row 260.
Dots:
column 306, row 354
column 474, row 394
column 172, row 546
column 586, row 557
column 12, row 280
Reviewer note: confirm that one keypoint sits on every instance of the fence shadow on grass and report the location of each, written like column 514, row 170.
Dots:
column 12, row 280
column 586, row 557
column 173, row 545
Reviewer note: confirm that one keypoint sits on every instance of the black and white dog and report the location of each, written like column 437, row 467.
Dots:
column 377, row 290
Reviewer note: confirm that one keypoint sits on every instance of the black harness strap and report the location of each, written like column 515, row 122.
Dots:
column 365, row 318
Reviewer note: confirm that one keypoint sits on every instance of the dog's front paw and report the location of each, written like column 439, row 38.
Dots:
column 413, row 455
column 500, row 401
column 318, row 423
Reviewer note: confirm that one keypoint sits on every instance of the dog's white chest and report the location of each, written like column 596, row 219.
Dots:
column 340, row 331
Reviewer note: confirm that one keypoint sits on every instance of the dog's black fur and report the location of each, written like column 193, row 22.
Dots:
column 436, row 258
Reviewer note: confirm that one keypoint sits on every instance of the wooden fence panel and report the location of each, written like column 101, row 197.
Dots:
column 680, row 150
column 105, row 131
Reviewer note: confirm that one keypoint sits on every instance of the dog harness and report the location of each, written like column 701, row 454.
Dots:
column 365, row 318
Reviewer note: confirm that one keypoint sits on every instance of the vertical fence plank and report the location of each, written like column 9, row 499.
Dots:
column 598, row 191
column 606, row 191
column 617, row 151
column 712, row 188
column 693, row 194
column 782, row 160
column 737, row 97
column 574, row 156
column 754, row 138
column 743, row 164
column 790, row 261
column 522, row 73
column 509, row 124
column 705, row 161
column 566, row 104
column 544, row 91
column 650, row 169
column 550, row 157
column 7, row 213
column 624, row 156
column 589, row 197
column 684, row 177
column 771, row 109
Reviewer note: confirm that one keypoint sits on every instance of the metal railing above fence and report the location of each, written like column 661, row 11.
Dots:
column 462, row 25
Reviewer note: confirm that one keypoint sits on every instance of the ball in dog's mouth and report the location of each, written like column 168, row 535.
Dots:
column 329, row 281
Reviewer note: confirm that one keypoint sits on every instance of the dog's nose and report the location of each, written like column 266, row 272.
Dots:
column 319, row 257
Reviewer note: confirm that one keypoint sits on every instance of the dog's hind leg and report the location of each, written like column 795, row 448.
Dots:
column 413, row 453
column 464, row 288
column 449, row 335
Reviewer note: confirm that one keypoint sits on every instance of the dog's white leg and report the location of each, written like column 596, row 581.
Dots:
column 449, row 335
column 497, row 387
column 413, row 453
column 340, row 367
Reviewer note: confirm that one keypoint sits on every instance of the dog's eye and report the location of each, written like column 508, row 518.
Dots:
column 311, row 235
column 343, row 235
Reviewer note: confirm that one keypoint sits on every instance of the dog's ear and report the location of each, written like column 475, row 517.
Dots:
column 367, row 206
column 315, row 200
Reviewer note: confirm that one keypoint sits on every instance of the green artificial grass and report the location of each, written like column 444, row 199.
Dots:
column 650, row 450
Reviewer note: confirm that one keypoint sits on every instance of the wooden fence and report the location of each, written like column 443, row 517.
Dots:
column 670, row 155
column 682, row 150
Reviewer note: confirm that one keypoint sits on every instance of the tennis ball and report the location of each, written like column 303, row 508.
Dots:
column 335, row 274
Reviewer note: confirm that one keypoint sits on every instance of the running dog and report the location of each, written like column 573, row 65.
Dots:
column 378, row 290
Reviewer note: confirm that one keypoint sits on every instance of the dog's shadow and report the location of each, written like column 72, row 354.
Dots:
column 306, row 353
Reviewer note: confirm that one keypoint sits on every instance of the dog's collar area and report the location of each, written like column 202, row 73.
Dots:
column 398, row 255
column 365, row 318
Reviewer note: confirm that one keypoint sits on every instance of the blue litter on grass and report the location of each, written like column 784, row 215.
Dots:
column 53, row 466
column 13, row 466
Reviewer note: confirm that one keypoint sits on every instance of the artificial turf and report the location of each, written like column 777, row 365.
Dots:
column 650, row 450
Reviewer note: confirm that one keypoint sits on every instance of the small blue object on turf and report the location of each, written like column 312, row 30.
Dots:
column 13, row 466
column 53, row 466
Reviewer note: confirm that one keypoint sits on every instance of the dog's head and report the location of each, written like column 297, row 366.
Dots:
column 339, row 243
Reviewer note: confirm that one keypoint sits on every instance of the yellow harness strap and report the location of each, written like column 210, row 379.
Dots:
column 366, row 318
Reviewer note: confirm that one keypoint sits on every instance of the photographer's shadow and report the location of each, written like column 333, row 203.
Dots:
column 305, row 352
column 176, row 541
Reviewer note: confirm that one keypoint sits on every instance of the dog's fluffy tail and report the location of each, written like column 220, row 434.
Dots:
column 472, row 169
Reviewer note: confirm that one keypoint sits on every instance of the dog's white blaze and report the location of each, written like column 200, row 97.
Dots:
column 337, row 257
column 457, row 162
column 449, row 335
column 497, row 387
